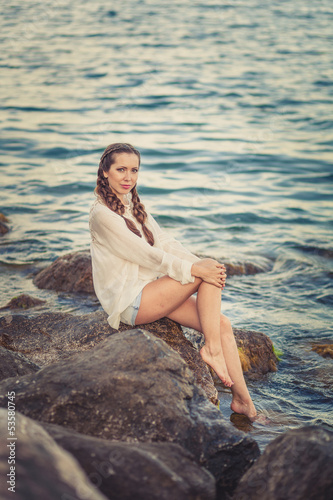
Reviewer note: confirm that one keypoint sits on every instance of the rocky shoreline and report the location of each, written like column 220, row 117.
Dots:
column 126, row 414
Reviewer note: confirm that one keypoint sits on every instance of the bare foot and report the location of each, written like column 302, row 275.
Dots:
column 217, row 362
column 245, row 408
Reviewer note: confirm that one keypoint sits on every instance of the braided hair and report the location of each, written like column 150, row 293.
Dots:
column 111, row 200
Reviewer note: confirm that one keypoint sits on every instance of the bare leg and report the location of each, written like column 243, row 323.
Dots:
column 209, row 309
column 164, row 296
column 187, row 315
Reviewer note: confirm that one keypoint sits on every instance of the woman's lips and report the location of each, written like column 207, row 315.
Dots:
column 125, row 186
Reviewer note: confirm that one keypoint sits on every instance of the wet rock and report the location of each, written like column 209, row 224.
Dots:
column 14, row 363
column 124, row 471
column 3, row 218
column 23, row 301
column 295, row 466
column 133, row 387
column 69, row 273
column 49, row 337
column 42, row 470
column 324, row 350
column 255, row 351
column 4, row 228
column 235, row 268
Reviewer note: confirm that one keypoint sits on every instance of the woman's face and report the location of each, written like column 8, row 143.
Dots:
column 123, row 174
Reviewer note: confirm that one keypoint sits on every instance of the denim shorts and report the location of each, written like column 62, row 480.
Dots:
column 129, row 315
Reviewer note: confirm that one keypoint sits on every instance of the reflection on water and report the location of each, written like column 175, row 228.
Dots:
column 229, row 104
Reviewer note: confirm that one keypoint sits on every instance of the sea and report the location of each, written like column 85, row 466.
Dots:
column 230, row 105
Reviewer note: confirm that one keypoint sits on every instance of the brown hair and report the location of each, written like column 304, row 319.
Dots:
column 111, row 199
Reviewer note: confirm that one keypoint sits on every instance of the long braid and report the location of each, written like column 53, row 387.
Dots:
column 141, row 216
column 112, row 200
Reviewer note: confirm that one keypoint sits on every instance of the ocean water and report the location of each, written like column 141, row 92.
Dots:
column 230, row 104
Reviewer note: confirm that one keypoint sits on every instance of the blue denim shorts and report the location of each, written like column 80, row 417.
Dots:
column 129, row 315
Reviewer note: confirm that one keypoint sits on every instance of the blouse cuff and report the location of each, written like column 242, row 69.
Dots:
column 187, row 275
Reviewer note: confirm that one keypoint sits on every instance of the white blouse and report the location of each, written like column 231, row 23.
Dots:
column 123, row 263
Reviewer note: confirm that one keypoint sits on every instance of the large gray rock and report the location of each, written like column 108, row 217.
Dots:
column 14, row 363
column 133, row 387
column 124, row 471
column 39, row 468
column 48, row 337
column 297, row 465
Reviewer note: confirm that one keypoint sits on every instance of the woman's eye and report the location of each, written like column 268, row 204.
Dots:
column 120, row 169
column 135, row 170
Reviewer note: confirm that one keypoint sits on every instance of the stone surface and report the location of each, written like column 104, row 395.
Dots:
column 127, row 471
column 235, row 268
column 324, row 350
column 4, row 228
column 43, row 470
column 297, row 465
column 48, row 337
column 14, row 363
column 69, row 273
column 23, row 301
column 133, row 387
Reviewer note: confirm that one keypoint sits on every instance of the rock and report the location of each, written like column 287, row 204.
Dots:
column 23, row 301
column 49, row 337
column 255, row 351
column 4, row 228
column 324, row 350
column 124, row 471
column 248, row 268
column 173, row 335
column 295, row 466
column 133, row 387
column 69, row 273
column 13, row 364
column 42, row 470
column 3, row 218
column 73, row 272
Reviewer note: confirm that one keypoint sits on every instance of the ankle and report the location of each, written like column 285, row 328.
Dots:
column 212, row 350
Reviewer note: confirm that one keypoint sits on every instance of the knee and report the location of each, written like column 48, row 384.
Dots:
column 225, row 325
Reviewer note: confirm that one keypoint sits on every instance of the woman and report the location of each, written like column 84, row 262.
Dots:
column 141, row 274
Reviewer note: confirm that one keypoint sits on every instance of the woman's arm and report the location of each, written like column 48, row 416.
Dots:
column 110, row 230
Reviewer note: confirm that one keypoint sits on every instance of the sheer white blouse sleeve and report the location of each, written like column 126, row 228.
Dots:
column 110, row 230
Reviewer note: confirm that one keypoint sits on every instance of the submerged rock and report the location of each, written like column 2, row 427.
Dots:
column 23, row 301
column 133, row 387
column 324, row 350
column 69, row 273
column 127, row 471
column 14, row 363
column 42, row 470
column 295, row 466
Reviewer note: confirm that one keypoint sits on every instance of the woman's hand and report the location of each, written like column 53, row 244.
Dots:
column 210, row 271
